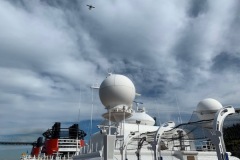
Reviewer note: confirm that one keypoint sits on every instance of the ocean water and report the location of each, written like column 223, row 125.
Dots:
column 9, row 152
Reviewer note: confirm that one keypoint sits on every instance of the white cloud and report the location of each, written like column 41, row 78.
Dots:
column 170, row 49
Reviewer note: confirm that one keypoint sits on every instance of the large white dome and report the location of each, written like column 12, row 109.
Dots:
column 116, row 90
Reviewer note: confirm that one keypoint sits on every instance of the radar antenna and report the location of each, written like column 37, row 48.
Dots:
column 137, row 104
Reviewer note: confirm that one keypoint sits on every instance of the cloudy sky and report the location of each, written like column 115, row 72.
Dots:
column 175, row 52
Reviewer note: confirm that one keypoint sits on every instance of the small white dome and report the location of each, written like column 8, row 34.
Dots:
column 116, row 90
column 209, row 104
column 206, row 110
column 142, row 117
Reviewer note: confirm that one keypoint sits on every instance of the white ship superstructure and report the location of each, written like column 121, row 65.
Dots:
column 132, row 135
column 128, row 134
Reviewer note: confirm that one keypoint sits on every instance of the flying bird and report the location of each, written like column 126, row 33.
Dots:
column 90, row 7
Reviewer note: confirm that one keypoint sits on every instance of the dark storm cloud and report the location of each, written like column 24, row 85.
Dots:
column 197, row 7
column 225, row 62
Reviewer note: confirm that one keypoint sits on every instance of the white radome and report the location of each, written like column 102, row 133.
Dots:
column 207, row 108
column 116, row 90
column 144, row 119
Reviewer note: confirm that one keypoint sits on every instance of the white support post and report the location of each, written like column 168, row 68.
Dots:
column 164, row 127
column 216, row 135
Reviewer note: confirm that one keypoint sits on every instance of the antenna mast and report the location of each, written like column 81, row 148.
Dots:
column 179, row 114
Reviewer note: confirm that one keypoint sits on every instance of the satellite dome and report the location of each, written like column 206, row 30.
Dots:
column 116, row 90
column 209, row 104
column 207, row 108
